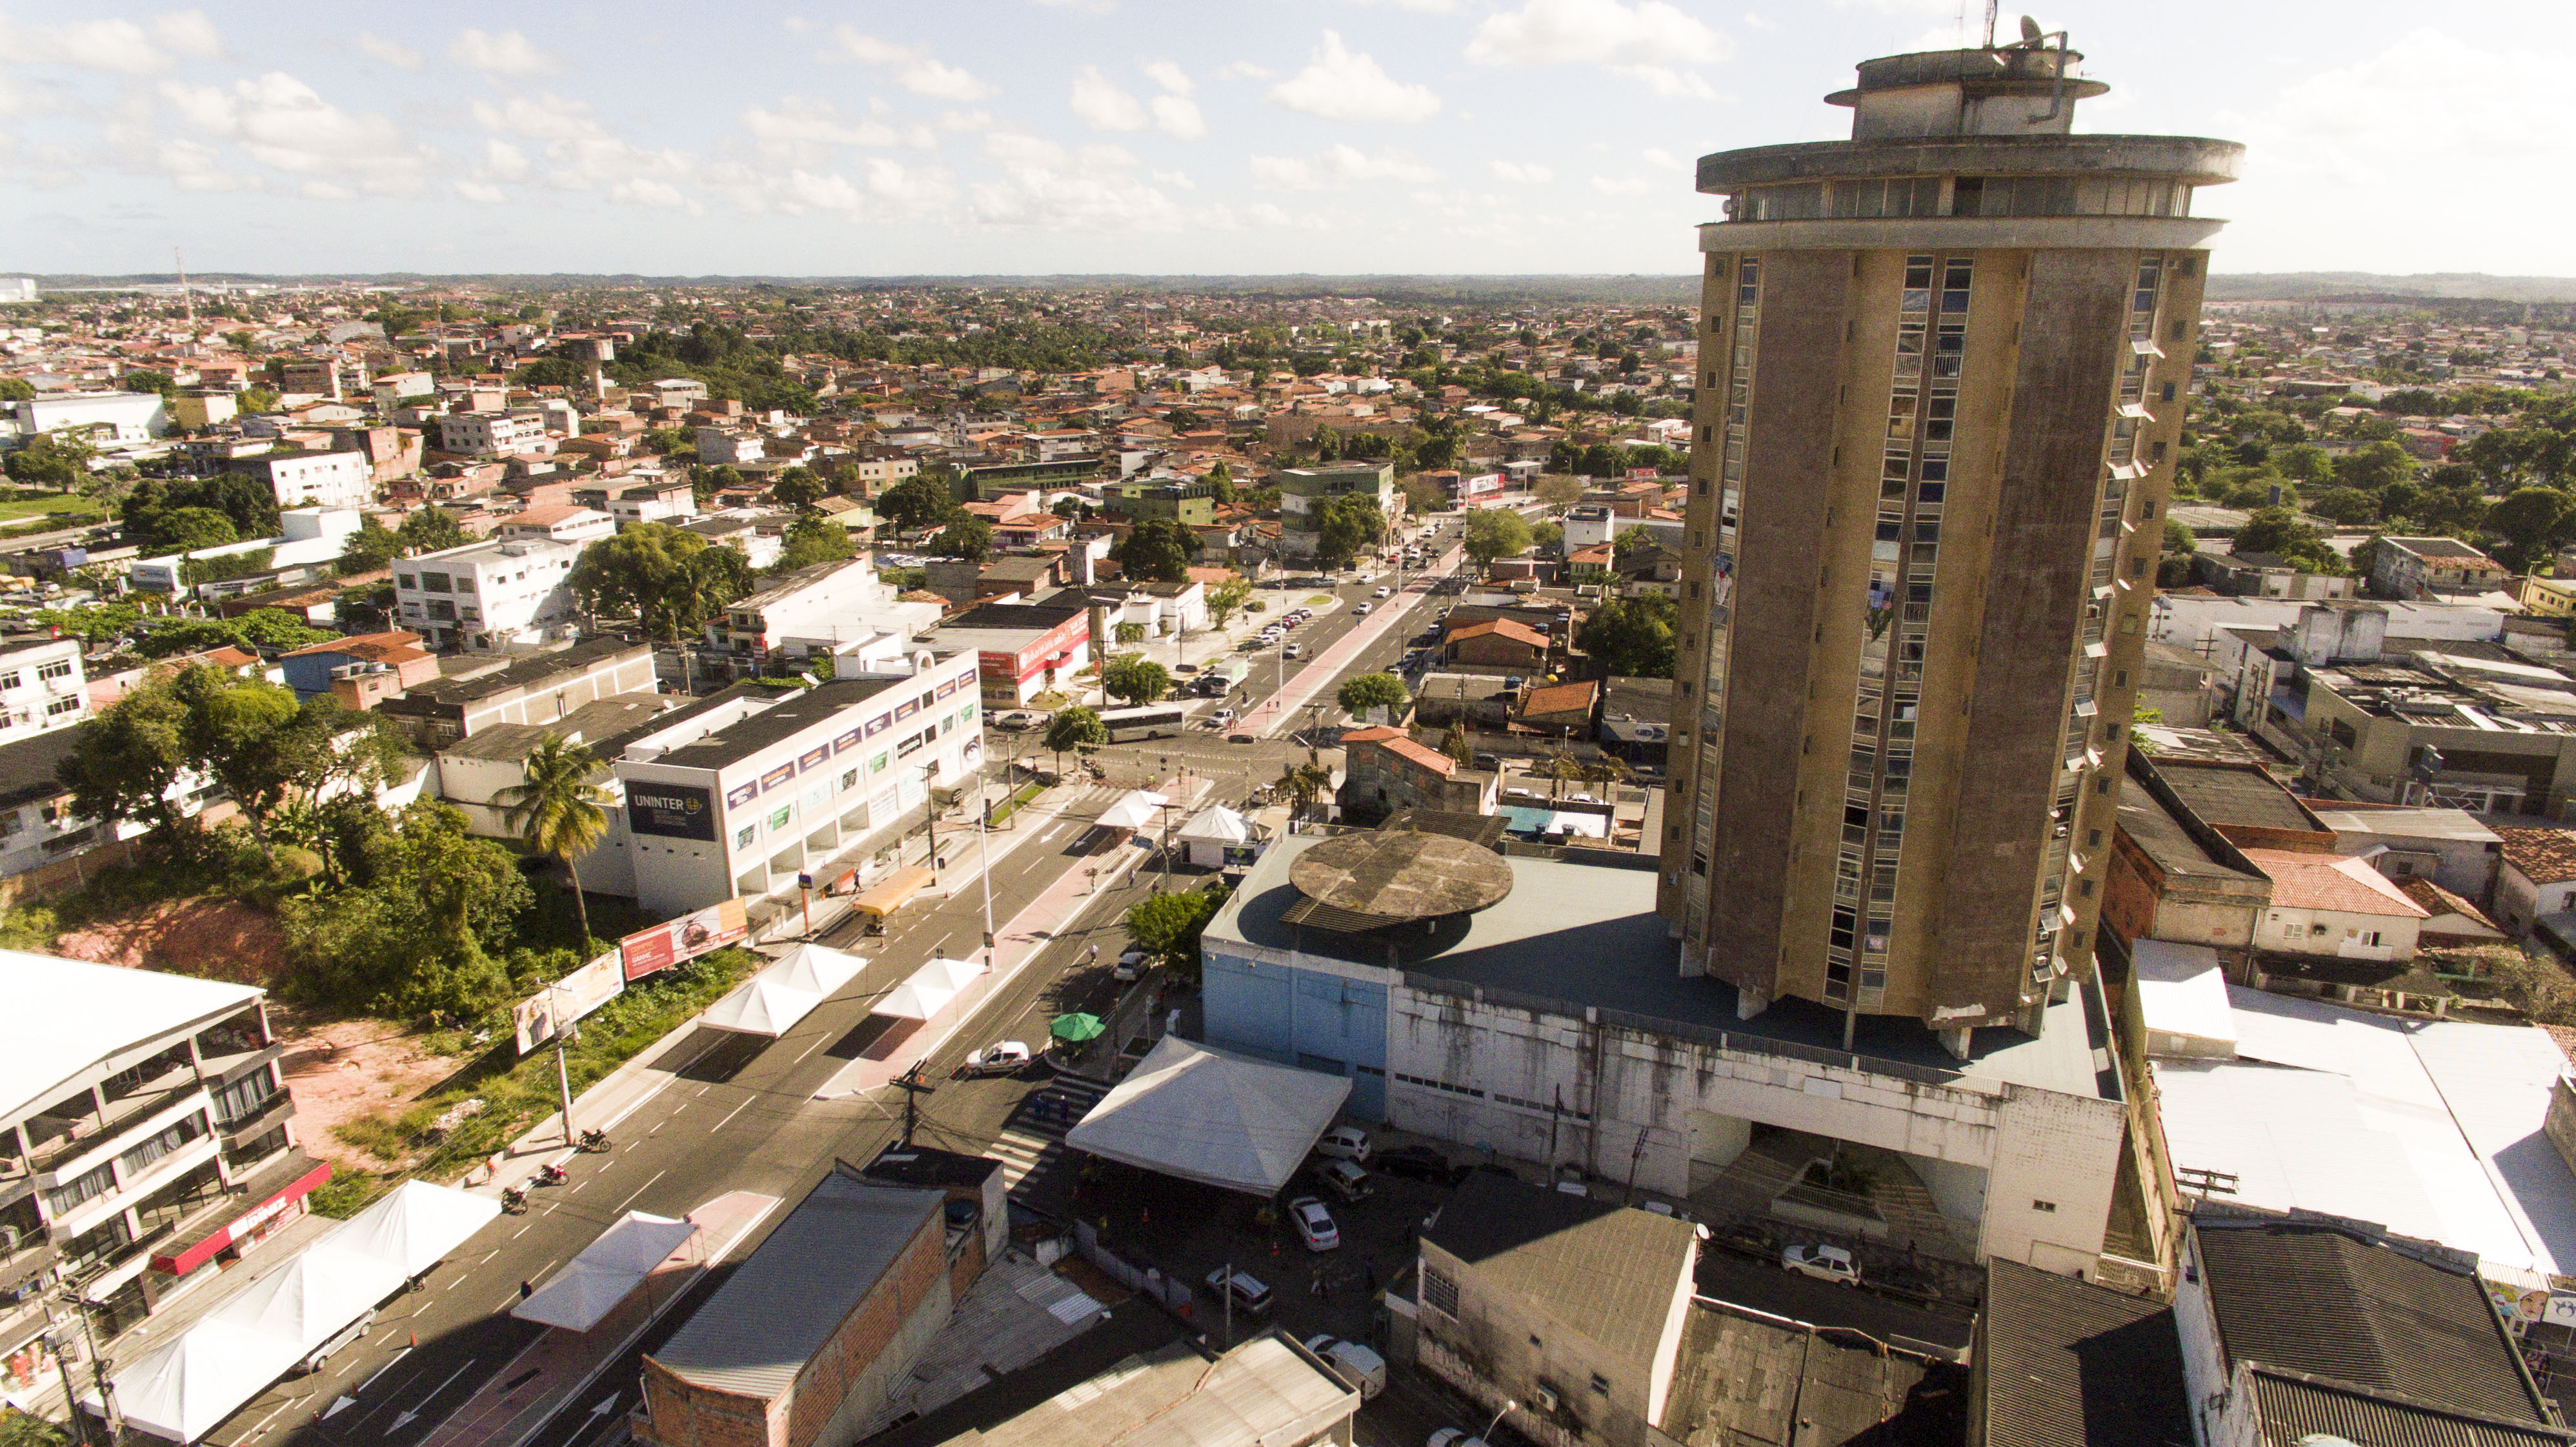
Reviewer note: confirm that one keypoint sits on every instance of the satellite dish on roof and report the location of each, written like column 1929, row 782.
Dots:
column 2030, row 31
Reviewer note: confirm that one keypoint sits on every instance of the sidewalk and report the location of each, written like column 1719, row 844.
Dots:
column 1273, row 714
column 559, row 1365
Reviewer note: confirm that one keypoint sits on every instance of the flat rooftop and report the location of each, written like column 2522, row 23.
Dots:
column 2223, row 794
column 2458, row 825
column 88, row 1014
column 2155, row 830
column 1572, row 936
column 1741, row 1378
column 783, row 720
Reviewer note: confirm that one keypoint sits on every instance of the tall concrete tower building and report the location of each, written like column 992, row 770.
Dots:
column 1942, row 371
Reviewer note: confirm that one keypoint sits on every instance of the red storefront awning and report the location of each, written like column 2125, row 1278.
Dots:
column 182, row 1262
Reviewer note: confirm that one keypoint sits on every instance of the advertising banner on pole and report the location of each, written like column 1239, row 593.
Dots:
column 687, row 937
column 536, row 1018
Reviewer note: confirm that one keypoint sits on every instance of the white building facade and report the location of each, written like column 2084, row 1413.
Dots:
column 487, row 595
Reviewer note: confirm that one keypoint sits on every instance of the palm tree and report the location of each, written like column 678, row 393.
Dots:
column 557, row 810
column 1301, row 783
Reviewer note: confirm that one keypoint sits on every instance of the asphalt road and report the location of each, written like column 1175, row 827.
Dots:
column 1763, row 1286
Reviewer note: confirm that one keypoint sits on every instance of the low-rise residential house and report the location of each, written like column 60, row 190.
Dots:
column 1497, row 643
column 2265, row 575
column 1386, row 772
column 2535, row 877
column 1562, row 709
column 488, row 595
column 2450, row 922
column 314, row 479
column 362, row 669
column 473, row 694
column 2451, row 847
column 558, row 523
column 2332, row 904
column 486, row 434
column 2420, row 567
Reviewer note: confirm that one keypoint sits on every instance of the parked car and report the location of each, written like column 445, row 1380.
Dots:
column 1018, row 719
column 1346, row 1180
column 1291, row 650
column 1453, row 1437
column 1421, row 1163
column 1314, row 1224
column 1825, row 1263
column 1365, row 1368
column 1344, row 1143
column 1002, row 1057
column 1570, row 1180
column 1248, row 1293
column 1131, row 963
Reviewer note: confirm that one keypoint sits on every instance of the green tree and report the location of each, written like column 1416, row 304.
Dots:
column 26, row 1429
column 1560, row 490
column 1168, row 926
column 431, row 530
column 255, row 400
column 2303, row 462
column 1496, row 533
column 964, row 536
column 558, row 808
column 2374, row 466
column 1227, row 598
column 1632, row 637
column 1350, row 525
column 2277, row 531
column 797, row 487
column 1456, row 745
column 1135, row 678
column 1221, row 477
column 124, row 763
column 1328, row 445
column 424, row 934
column 2179, row 540
column 1073, row 729
column 247, row 501
column 370, row 549
column 1302, row 783
column 915, row 503
column 58, row 460
column 1158, row 549
column 668, row 579
column 17, row 389
column 1366, row 691
column 2344, row 505
column 189, row 528
column 811, row 540
column 2531, row 522
column 1130, row 633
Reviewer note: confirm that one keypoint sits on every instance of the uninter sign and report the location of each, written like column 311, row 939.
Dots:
column 671, row 811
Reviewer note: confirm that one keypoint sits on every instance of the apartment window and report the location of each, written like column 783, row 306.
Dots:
column 171, row 1139
column 2092, row 838
column 58, row 707
column 60, row 668
column 1440, row 1293
column 12, row 679
column 1600, row 1385
column 70, row 1194
column 244, row 1098
column 2045, row 1208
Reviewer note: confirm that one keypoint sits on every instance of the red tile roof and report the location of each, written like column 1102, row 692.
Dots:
column 1561, row 698
column 2438, row 901
column 2334, row 882
column 2543, row 856
column 1500, row 627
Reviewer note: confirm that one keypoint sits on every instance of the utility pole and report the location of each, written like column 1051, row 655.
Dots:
column 984, row 859
column 930, row 817
column 563, row 1072
column 914, row 1086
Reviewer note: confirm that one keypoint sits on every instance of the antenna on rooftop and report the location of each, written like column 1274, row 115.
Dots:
column 1990, row 22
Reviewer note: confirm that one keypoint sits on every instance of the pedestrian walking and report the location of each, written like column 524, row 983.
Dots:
column 526, row 1291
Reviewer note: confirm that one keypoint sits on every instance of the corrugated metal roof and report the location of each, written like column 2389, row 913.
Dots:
column 779, row 1308
column 2070, row 1364
column 2295, row 1407
column 1606, row 1271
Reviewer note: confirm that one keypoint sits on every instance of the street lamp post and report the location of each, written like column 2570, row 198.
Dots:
column 930, row 818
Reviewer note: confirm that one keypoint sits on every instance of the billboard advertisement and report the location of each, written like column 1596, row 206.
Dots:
column 670, row 811
column 687, row 937
column 535, row 1019
column 1480, row 485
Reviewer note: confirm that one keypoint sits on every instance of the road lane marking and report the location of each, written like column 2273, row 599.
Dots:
column 737, row 1110
column 639, row 1190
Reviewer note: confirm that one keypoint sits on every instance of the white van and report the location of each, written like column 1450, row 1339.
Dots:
column 1365, row 1368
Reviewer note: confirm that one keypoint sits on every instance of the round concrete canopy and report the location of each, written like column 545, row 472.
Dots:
column 1392, row 876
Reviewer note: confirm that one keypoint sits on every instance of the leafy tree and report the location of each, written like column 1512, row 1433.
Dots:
column 189, row 528
column 58, row 460
column 371, row 548
column 1328, row 445
column 2374, row 466
column 915, row 503
column 2412, row 402
column 1558, row 490
column 261, row 628
column 1073, row 729
column 431, row 530
column 125, row 761
column 1422, row 495
column 26, row 1429
column 2276, row 530
column 1496, row 533
column 668, row 579
column 2532, row 522
column 797, row 487
column 1302, row 783
column 2179, row 540
column 1131, row 633
column 1159, row 549
column 17, row 389
column 1221, row 477
column 1547, row 537
column 2303, row 462
column 558, row 809
column 1135, row 678
column 1350, row 525
column 425, row 934
column 1373, row 690
column 965, row 536
column 255, row 400
column 250, row 503
column 95, row 623
column 811, row 541
column 1169, row 925
column 1456, row 745
column 1632, row 637
column 2345, row 505
column 1630, row 542
column 1227, row 598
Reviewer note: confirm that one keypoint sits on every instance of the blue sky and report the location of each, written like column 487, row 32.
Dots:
column 1238, row 136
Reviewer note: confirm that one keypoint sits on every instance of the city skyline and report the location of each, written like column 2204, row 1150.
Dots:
column 1439, row 136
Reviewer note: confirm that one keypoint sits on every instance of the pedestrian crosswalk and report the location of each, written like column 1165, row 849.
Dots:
column 1031, row 1146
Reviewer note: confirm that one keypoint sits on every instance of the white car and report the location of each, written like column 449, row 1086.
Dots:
column 1292, row 650
column 1365, row 1368
column 1246, row 1289
column 1383, row 593
column 1131, row 963
column 1361, row 611
column 1344, row 1143
column 1002, row 1057
column 1825, row 1263
column 1017, row 719
column 1314, row 1224
column 1453, row 1437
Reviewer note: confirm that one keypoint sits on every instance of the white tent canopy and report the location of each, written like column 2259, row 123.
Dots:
column 607, row 1270
column 1212, row 1117
column 1216, row 824
column 761, row 1006
column 815, row 968
column 192, row 1382
column 1135, row 811
column 929, row 991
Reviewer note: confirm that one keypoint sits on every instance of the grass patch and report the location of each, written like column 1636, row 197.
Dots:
column 1019, row 798
column 1318, row 600
column 517, row 1093
column 346, row 1194
column 19, row 503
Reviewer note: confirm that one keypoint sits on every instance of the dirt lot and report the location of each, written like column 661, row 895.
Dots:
column 212, row 939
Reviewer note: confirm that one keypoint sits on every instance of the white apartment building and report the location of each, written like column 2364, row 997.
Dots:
column 484, row 434
column 315, row 479
column 879, row 473
column 826, row 603
column 561, row 523
column 736, row 796
column 718, row 447
column 487, row 595
column 41, row 687
column 305, row 535
column 144, row 1139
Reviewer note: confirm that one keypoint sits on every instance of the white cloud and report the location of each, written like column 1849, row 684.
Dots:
column 1084, row 7
column 1170, row 77
column 1644, row 40
column 1661, row 159
column 2327, row 151
column 1339, row 166
column 283, row 124
column 911, row 66
column 1178, row 115
column 1102, row 105
column 1620, row 186
column 804, row 131
column 481, row 193
column 1341, row 84
column 1048, row 186
column 506, row 53
column 117, row 47
column 1665, row 81
column 391, row 52
column 580, row 154
column 1427, row 7
column 1528, row 175
column 503, row 161
column 1244, row 70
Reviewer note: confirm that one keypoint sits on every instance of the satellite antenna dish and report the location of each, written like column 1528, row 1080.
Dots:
column 2030, row 31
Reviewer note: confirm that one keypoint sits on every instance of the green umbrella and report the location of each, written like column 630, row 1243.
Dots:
column 1074, row 1029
